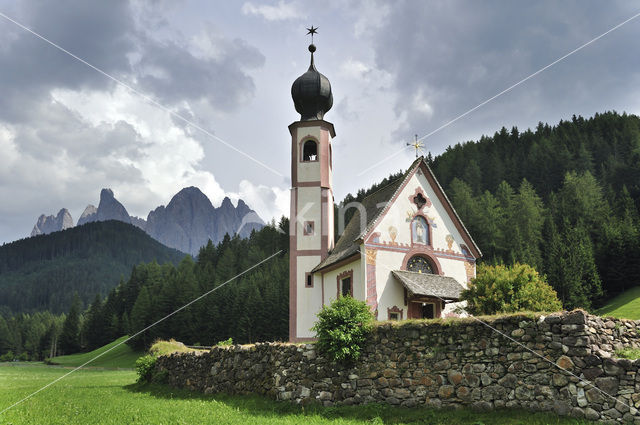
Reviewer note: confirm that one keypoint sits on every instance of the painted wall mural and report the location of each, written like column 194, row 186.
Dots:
column 420, row 231
column 393, row 234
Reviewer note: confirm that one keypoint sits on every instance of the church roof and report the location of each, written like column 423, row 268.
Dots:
column 375, row 205
column 429, row 285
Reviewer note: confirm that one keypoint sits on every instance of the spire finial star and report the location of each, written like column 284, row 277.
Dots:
column 312, row 31
column 417, row 144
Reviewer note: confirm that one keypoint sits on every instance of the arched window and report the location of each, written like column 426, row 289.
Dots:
column 420, row 231
column 310, row 151
column 419, row 264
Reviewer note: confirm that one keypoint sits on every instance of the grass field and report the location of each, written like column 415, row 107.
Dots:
column 625, row 305
column 111, row 397
column 120, row 357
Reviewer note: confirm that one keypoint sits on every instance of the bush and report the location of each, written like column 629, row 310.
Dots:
column 164, row 348
column 225, row 343
column 145, row 366
column 509, row 289
column 342, row 328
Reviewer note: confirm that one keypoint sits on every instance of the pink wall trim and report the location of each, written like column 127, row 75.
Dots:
column 294, row 160
column 293, row 267
column 308, row 184
column 440, row 253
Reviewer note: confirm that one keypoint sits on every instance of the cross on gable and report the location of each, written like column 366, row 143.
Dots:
column 417, row 145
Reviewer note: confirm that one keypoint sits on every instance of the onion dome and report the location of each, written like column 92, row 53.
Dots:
column 311, row 93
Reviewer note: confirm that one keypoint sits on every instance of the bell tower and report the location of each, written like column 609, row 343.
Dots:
column 311, row 219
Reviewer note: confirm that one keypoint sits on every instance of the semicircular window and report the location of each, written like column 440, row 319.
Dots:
column 419, row 264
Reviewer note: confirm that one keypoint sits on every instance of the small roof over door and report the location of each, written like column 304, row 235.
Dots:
column 429, row 285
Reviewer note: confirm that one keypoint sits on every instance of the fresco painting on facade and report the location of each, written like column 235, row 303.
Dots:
column 420, row 231
column 372, row 293
column 449, row 240
column 393, row 233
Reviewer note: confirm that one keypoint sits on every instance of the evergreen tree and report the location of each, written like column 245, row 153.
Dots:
column 70, row 334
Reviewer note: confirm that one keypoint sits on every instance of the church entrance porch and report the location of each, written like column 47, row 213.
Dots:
column 425, row 294
column 424, row 308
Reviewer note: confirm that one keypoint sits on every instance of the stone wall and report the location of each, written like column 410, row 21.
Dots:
column 438, row 363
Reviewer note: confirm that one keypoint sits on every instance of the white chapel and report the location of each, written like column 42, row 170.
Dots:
column 405, row 251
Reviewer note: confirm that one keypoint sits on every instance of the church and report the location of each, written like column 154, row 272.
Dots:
column 405, row 251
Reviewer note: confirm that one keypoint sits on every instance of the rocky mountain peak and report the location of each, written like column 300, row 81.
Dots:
column 49, row 224
column 88, row 215
column 110, row 209
column 187, row 223
column 226, row 204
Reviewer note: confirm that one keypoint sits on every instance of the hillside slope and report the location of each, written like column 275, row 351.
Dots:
column 625, row 305
column 44, row 272
column 121, row 356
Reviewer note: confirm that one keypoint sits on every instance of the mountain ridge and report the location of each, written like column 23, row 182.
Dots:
column 187, row 222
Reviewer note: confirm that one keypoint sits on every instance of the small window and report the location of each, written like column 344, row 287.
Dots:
column 310, row 151
column 419, row 200
column 309, row 282
column 394, row 313
column 346, row 287
column 308, row 228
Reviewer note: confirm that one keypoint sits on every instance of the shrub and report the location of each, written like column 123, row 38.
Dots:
column 342, row 328
column 164, row 348
column 508, row 289
column 225, row 343
column 145, row 366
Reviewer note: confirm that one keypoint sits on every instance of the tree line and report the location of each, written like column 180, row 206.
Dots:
column 253, row 307
column 43, row 272
column 561, row 199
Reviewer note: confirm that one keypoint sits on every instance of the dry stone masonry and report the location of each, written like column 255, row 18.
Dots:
column 459, row 362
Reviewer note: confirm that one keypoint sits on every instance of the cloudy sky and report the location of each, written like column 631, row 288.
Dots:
column 396, row 68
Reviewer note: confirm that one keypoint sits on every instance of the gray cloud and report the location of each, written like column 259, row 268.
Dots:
column 56, row 154
column 171, row 71
column 455, row 55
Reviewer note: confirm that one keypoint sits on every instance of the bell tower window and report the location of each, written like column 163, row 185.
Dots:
column 310, row 151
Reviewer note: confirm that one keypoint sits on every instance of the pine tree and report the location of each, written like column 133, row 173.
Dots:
column 70, row 334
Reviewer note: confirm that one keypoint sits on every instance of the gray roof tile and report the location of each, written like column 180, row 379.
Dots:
column 429, row 285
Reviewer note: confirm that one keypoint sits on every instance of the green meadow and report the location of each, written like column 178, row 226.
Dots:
column 122, row 356
column 624, row 306
column 112, row 397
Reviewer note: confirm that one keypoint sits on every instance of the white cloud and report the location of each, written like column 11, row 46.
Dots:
column 280, row 12
column 165, row 156
column 9, row 150
column 355, row 69
column 421, row 104
column 268, row 202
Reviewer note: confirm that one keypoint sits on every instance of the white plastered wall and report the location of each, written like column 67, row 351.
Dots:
column 330, row 280
column 309, row 199
column 397, row 221
column 309, row 300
